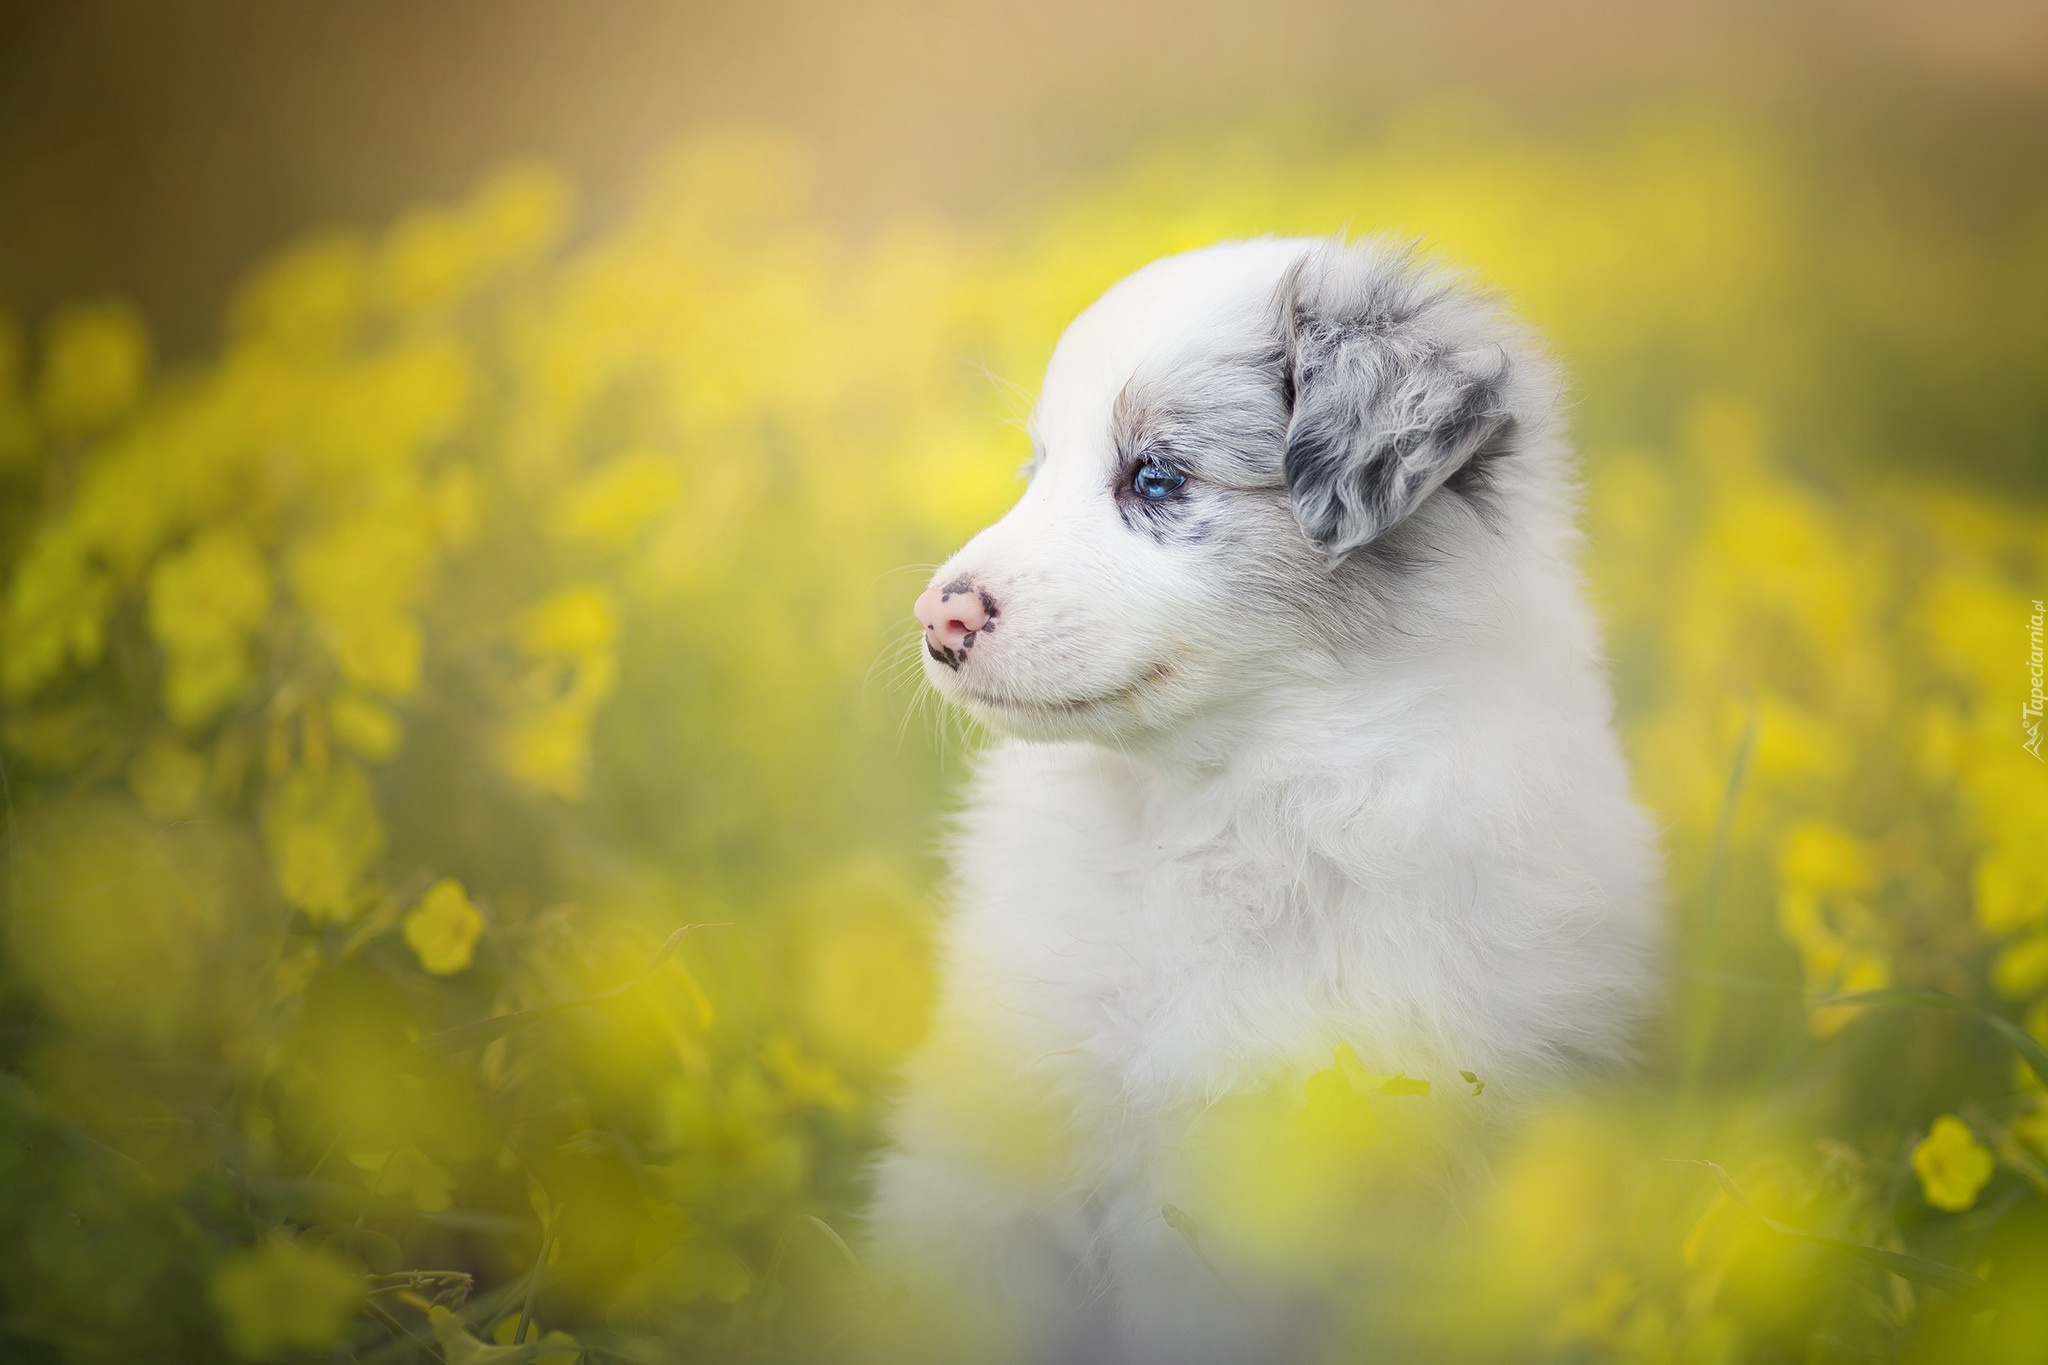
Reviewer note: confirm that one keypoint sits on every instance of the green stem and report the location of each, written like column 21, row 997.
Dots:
column 401, row 1331
column 1704, row 999
column 547, row 1240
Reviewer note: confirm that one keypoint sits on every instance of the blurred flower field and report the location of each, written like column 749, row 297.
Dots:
column 470, row 819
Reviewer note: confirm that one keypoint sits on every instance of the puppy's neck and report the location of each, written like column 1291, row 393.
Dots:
column 1294, row 729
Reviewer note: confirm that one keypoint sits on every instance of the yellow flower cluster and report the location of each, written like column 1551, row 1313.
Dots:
column 382, row 700
column 283, row 1297
column 1863, row 652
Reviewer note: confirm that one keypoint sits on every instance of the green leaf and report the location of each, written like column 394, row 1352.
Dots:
column 1177, row 1219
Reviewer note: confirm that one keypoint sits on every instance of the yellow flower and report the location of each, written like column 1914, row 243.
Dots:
column 96, row 362
column 429, row 261
column 323, row 833
column 804, row 1082
column 284, row 1297
column 522, row 213
column 1820, row 855
column 364, row 726
column 548, row 750
column 204, row 602
column 619, row 500
column 1338, row 1110
column 131, row 930
column 570, row 633
column 732, row 1149
column 2010, row 889
column 867, row 988
column 1335, row 1113
column 578, row 619
column 56, row 615
column 443, row 928
column 1839, row 942
column 454, row 501
column 381, row 652
column 1952, row 1165
column 311, row 297
column 1861, row 970
column 683, row 1265
column 360, row 578
column 1795, row 744
column 2022, row 969
column 1969, row 621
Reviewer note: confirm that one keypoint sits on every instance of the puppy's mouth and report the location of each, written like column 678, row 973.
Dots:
column 1067, row 706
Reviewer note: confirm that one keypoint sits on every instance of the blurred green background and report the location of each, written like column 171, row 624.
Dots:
column 463, row 469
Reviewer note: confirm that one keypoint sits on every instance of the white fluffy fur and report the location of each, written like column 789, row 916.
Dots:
column 1258, row 793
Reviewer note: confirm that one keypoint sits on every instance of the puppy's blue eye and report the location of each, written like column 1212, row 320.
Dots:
column 1154, row 482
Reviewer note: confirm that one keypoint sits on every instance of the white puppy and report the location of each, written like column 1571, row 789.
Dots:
column 1307, row 743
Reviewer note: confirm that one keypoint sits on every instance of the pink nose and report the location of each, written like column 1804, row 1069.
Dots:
column 952, row 616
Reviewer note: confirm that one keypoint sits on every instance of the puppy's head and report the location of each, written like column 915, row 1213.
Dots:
column 1238, row 454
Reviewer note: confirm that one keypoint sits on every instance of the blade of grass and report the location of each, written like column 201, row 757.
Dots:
column 1918, row 1269
column 831, row 1234
column 2024, row 1043
column 547, row 1242
column 1703, row 1006
column 758, row 1305
column 402, row 1332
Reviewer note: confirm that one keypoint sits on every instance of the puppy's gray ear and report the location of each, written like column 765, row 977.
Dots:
column 1396, row 377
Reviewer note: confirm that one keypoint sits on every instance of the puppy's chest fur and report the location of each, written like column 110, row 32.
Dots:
column 1160, row 948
